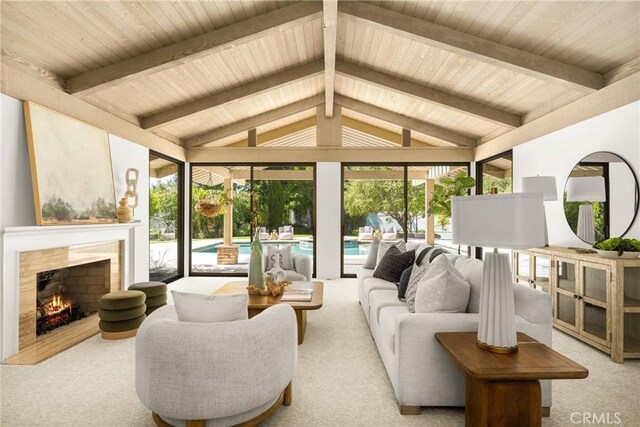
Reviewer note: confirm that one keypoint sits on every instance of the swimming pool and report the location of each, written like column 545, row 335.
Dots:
column 350, row 247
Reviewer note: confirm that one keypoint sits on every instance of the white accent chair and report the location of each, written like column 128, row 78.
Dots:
column 263, row 234
column 365, row 233
column 285, row 232
column 389, row 233
column 214, row 374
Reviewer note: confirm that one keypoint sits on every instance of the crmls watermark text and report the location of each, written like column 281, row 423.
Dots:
column 593, row 418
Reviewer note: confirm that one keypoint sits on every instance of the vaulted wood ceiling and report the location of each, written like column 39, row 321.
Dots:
column 204, row 73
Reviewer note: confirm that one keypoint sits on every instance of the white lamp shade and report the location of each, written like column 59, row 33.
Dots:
column 540, row 184
column 586, row 189
column 514, row 221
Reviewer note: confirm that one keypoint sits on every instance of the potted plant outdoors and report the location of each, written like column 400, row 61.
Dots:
column 617, row 247
column 443, row 191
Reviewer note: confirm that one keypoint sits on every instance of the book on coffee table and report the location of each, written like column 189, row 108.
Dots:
column 297, row 295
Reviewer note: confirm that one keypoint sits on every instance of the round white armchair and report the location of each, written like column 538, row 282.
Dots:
column 216, row 374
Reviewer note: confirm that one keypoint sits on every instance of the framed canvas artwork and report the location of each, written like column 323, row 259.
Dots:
column 70, row 169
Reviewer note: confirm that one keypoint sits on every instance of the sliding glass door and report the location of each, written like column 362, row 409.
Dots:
column 275, row 200
column 165, row 218
column 392, row 202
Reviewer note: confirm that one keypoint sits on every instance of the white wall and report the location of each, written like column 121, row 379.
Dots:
column 328, row 223
column 556, row 154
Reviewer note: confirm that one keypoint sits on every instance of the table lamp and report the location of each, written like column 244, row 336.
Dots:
column 586, row 189
column 545, row 185
column 513, row 221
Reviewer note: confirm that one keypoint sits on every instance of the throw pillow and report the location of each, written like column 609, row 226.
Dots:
column 416, row 274
column 444, row 293
column 384, row 246
column 428, row 255
column 404, row 282
column 433, row 269
column 392, row 264
column 209, row 308
column 370, row 263
column 286, row 256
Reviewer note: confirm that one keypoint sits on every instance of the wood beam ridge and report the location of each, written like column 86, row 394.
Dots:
column 330, row 33
column 429, row 129
column 189, row 50
column 255, row 121
column 427, row 94
column 487, row 51
column 271, row 82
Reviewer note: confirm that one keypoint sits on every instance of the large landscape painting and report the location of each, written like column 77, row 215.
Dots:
column 70, row 169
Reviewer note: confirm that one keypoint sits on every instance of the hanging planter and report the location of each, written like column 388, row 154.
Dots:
column 215, row 204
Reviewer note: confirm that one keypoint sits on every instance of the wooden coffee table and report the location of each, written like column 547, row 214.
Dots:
column 504, row 389
column 259, row 303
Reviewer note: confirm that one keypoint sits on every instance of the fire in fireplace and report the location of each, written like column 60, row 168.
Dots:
column 55, row 314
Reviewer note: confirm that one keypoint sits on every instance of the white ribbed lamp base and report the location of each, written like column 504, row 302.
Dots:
column 497, row 328
column 586, row 228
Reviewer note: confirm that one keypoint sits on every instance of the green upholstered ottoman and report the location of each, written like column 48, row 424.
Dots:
column 121, row 313
column 156, row 294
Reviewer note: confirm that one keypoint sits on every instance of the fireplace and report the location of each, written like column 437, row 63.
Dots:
column 65, row 295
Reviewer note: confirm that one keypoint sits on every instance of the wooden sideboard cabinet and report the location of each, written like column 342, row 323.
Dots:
column 596, row 300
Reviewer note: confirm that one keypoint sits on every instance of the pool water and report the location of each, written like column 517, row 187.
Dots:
column 350, row 248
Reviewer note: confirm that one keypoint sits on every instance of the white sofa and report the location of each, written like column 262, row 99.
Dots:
column 421, row 373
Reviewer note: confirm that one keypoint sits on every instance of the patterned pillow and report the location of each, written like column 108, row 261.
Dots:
column 286, row 257
column 442, row 293
column 416, row 274
column 392, row 264
column 209, row 308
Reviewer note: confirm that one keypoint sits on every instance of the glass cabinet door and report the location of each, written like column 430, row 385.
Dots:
column 521, row 260
column 632, row 310
column 566, row 301
column 541, row 272
column 595, row 285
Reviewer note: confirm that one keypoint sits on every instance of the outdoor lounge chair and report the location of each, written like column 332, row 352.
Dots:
column 389, row 233
column 365, row 233
column 285, row 232
column 263, row 234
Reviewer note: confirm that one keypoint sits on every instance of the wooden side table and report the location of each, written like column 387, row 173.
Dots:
column 504, row 389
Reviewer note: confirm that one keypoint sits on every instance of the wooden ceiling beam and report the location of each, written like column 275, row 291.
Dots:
column 235, row 94
column 330, row 32
column 427, row 94
column 474, row 47
column 433, row 131
column 189, row 50
column 255, row 121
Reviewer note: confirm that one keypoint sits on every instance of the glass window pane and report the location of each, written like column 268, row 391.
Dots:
column 165, row 182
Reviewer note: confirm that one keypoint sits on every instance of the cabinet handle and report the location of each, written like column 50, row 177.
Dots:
column 575, row 296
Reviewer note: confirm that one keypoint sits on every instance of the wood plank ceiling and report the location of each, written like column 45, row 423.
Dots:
column 204, row 73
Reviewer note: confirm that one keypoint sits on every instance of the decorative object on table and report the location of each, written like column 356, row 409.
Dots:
column 256, row 269
column 586, row 189
column 514, row 221
column 271, row 287
column 545, row 185
column 70, row 169
column 276, row 273
column 617, row 213
column 584, row 251
column 618, row 247
column 124, row 212
column 131, row 178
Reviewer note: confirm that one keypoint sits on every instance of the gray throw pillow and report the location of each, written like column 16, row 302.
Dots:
column 370, row 263
column 392, row 264
column 404, row 282
column 384, row 246
column 286, row 256
column 444, row 293
column 416, row 274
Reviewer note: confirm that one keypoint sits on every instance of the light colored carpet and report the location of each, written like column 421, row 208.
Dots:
column 340, row 380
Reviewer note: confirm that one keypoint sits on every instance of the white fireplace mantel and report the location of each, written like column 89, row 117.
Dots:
column 30, row 238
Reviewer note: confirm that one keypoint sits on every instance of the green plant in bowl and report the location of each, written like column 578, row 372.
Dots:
column 618, row 247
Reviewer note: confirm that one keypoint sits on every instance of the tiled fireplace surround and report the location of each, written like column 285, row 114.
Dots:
column 30, row 250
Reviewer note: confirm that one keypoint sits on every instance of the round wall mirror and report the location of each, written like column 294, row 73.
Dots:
column 601, row 197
